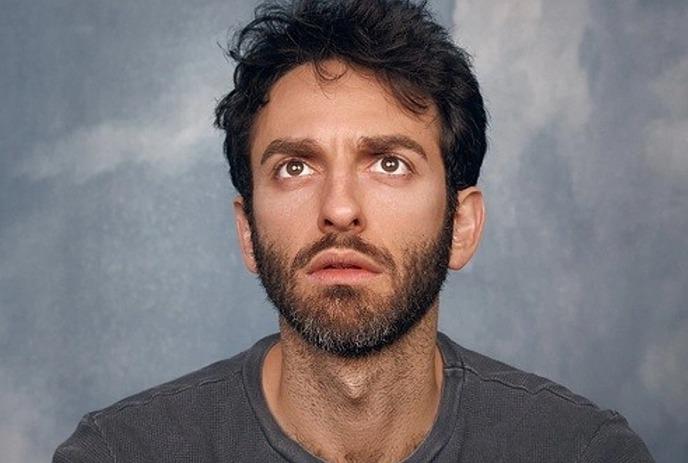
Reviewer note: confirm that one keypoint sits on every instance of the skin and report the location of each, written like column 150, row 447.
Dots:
column 344, row 409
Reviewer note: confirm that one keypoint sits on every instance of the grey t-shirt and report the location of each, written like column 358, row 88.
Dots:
column 489, row 412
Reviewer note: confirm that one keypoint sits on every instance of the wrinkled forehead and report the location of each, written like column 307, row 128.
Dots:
column 333, row 98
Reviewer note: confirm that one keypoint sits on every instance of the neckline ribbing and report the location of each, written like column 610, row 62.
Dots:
column 442, row 428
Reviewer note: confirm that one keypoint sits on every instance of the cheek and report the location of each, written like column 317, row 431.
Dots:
column 407, row 215
column 283, row 218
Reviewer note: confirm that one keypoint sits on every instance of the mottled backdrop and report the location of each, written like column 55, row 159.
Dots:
column 118, row 262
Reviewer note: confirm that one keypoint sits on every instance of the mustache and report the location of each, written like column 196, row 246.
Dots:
column 356, row 243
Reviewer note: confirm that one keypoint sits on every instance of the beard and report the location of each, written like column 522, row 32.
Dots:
column 349, row 320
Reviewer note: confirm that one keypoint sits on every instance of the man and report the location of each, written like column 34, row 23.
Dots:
column 355, row 134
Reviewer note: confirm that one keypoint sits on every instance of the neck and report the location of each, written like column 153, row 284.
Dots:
column 375, row 408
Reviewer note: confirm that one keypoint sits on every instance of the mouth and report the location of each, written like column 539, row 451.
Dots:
column 337, row 266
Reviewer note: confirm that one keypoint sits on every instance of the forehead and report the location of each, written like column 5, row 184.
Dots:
column 351, row 105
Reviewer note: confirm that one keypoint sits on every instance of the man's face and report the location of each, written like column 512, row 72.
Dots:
column 350, row 229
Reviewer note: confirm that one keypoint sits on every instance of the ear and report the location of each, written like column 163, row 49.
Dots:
column 469, row 219
column 243, row 229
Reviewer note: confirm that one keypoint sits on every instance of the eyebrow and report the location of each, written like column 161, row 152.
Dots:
column 308, row 147
column 386, row 143
column 303, row 147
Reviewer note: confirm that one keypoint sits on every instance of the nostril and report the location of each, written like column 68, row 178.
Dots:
column 340, row 218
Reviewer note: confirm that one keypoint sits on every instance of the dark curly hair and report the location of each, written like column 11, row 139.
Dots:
column 397, row 40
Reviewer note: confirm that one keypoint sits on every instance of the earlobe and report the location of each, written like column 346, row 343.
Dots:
column 243, row 228
column 469, row 219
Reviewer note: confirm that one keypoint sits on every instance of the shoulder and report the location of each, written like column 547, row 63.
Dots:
column 143, row 419
column 162, row 420
column 485, row 378
column 515, row 411
column 191, row 390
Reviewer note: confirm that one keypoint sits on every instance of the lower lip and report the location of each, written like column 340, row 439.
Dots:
column 342, row 275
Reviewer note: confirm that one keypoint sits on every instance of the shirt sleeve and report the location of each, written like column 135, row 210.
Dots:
column 615, row 442
column 86, row 445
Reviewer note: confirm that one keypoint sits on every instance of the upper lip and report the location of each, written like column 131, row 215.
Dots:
column 342, row 258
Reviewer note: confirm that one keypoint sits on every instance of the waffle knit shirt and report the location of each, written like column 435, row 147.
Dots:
column 488, row 412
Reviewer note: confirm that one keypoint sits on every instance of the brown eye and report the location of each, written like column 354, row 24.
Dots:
column 391, row 165
column 294, row 168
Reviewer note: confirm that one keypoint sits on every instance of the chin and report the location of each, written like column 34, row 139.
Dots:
column 345, row 321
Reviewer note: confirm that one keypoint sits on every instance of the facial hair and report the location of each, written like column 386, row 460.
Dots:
column 350, row 320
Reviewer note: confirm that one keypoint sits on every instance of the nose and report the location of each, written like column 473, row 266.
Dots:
column 340, row 205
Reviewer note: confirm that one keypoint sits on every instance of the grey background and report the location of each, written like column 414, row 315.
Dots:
column 118, row 263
